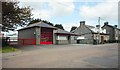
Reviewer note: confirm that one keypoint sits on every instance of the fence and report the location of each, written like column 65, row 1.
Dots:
column 13, row 41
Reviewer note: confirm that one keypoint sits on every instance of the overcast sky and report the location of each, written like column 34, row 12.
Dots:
column 70, row 12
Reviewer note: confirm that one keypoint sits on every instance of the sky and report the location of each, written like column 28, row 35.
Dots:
column 70, row 12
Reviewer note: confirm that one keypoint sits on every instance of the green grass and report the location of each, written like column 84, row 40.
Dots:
column 7, row 49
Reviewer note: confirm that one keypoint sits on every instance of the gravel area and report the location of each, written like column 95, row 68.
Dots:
column 64, row 56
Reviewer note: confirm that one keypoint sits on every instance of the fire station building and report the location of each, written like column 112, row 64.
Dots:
column 42, row 33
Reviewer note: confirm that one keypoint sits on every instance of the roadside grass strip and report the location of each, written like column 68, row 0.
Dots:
column 8, row 49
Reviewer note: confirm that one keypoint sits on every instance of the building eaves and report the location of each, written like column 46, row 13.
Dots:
column 27, row 27
column 100, row 33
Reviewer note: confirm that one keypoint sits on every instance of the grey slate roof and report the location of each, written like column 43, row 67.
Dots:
column 39, row 24
column 89, row 26
column 111, row 27
column 63, row 32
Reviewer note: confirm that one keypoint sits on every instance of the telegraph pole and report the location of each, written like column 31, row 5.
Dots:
column 99, row 30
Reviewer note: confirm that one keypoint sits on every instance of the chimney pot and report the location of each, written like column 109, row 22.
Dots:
column 115, row 26
column 105, row 23
column 82, row 22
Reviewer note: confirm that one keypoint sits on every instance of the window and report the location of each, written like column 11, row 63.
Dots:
column 62, row 38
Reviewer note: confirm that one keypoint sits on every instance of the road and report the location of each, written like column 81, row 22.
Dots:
column 64, row 56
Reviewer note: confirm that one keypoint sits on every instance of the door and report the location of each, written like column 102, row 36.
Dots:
column 102, row 39
column 46, row 36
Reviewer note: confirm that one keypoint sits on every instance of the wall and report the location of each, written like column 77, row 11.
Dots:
column 85, row 41
column 37, row 35
column 88, row 39
column 73, row 40
column 27, row 33
column 110, row 31
column 62, row 41
column 54, row 38
column 117, row 34
column 27, row 37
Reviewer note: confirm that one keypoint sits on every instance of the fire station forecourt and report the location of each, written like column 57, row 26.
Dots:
column 64, row 56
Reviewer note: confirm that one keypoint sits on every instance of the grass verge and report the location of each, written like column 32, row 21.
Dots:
column 8, row 49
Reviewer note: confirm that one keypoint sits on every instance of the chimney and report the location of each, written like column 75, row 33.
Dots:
column 82, row 22
column 115, row 26
column 97, row 25
column 105, row 23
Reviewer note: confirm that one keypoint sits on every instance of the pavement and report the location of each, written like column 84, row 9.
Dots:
column 63, row 56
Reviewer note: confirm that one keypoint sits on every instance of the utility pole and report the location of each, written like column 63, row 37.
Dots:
column 99, row 30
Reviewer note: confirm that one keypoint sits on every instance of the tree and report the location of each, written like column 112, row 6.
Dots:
column 13, row 15
column 73, row 28
column 38, row 20
column 34, row 21
column 59, row 26
column 48, row 22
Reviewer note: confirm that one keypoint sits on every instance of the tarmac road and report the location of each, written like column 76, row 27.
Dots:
column 64, row 56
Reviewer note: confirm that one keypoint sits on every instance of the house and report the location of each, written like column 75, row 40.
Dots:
column 89, row 34
column 113, row 31
column 42, row 33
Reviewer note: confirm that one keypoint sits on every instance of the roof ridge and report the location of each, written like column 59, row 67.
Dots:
column 111, row 26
